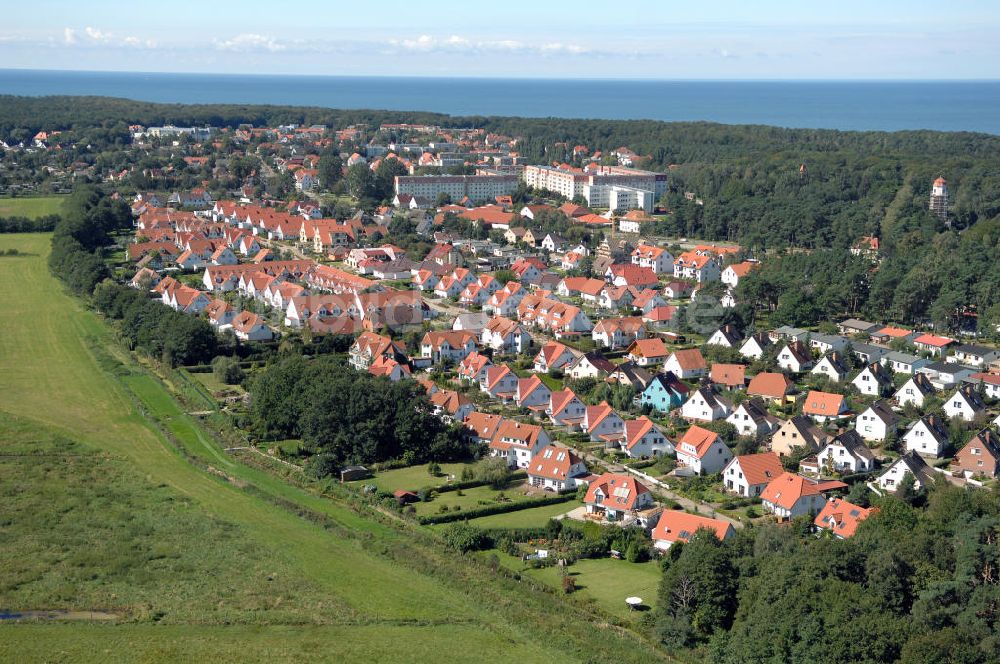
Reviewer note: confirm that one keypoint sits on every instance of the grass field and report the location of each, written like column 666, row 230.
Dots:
column 31, row 207
column 534, row 517
column 62, row 375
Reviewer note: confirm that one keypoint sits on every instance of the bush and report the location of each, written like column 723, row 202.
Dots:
column 464, row 537
column 321, row 465
column 493, row 471
column 227, row 370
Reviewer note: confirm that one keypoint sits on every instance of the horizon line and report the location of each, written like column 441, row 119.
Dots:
column 509, row 77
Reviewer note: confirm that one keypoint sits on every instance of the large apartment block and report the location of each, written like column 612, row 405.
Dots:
column 476, row 187
column 630, row 188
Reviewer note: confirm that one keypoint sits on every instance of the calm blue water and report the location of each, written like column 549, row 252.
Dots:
column 947, row 106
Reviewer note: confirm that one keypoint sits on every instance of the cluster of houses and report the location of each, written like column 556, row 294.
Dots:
column 873, row 386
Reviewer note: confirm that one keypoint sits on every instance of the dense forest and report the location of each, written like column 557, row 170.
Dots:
column 347, row 416
column 918, row 583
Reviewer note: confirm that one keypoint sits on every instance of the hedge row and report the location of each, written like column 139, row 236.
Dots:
column 500, row 508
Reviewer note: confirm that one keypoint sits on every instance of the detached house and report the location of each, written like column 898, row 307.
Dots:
column 473, row 367
column 908, row 464
column 500, row 382
column 795, row 357
column 846, row 453
column 705, row 405
column 726, row 336
column 504, row 335
column 664, row 392
column 973, row 355
column 566, row 409
column 824, row 406
column 686, row 364
column 702, row 451
column 675, row 526
column 647, row 352
column 451, row 345
column 755, row 345
column 249, row 326
column 915, row 391
column 532, row 393
column 833, row 367
column 553, row 355
column 774, row 387
column 933, row 344
column 658, row 259
column 590, row 365
column 791, row 495
column 748, row 474
column 980, row 457
column 618, row 332
column 873, row 380
column 518, row 442
column 928, row 436
column 729, row 376
column 841, row 517
column 642, row 438
column 617, row 497
column 752, row 419
column 798, row 432
column 603, row 423
column 903, row 363
column 876, row 422
column 556, row 469
column 965, row 403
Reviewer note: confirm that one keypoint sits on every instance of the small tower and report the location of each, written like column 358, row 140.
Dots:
column 939, row 199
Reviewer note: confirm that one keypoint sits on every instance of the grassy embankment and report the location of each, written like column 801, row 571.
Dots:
column 130, row 508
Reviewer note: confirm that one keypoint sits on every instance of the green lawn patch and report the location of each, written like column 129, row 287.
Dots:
column 606, row 580
column 474, row 498
column 413, row 478
column 534, row 517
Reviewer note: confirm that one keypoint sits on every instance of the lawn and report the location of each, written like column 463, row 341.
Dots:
column 468, row 499
column 534, row 517
column 606, row 580
column 413, row 478
column 31, row 207
column 108, row 528
column 213, row 384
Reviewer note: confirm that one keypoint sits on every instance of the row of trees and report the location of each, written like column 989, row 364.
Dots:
column 346, row 416
column 29, row 225
column 151, row 327
column 915, row 584
column 78, row 243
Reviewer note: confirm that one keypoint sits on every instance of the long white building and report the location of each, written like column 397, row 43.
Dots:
column 476, row 187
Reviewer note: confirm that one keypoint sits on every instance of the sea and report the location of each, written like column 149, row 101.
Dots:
column 846, row 105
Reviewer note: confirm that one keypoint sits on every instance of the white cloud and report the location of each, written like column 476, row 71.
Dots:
column 97, row 35
column 250, row 42
column 459, row 44
column 69, row 35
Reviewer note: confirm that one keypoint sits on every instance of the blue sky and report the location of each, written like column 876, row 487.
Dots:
column 726, row 39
